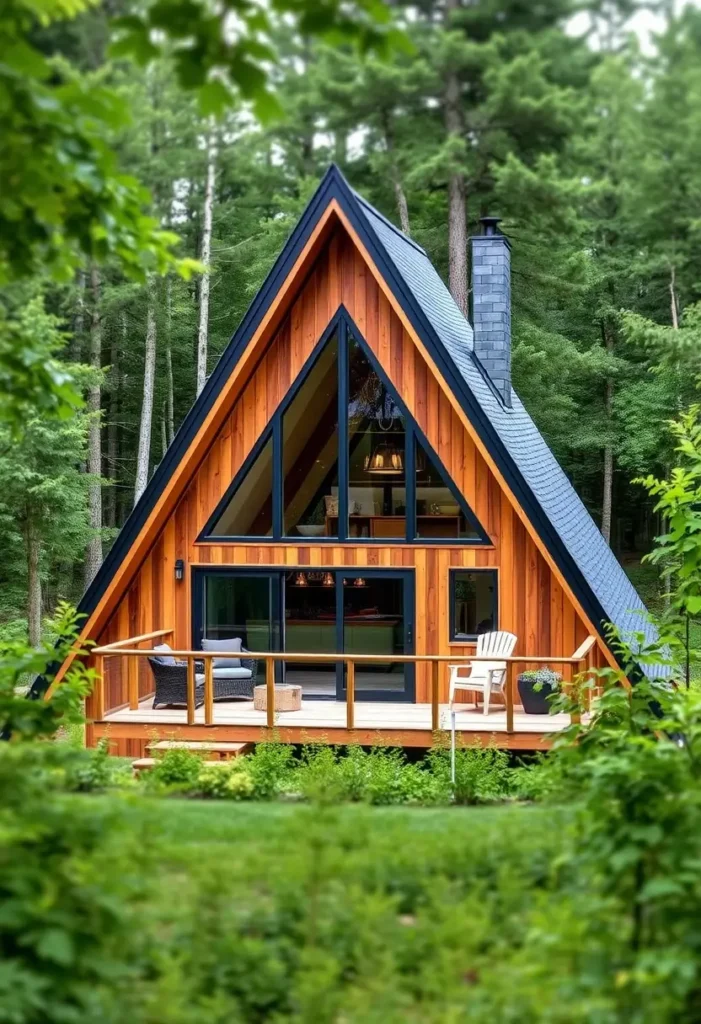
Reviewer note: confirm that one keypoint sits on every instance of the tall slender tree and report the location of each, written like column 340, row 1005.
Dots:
column 93, row 552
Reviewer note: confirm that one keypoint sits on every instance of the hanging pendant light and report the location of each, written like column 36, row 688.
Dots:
column 328, row 580
column 300, row 580
column 359, row 581
column 385, row 459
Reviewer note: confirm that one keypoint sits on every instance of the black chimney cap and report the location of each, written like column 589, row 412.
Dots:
column 490, row 225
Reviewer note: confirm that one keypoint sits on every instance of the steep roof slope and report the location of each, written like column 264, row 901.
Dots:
column 522, row 440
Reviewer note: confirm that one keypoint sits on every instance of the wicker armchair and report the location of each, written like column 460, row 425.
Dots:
column 229, row 684
column 171, row 683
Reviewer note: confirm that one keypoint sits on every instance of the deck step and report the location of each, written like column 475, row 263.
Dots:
column 223, row 749
column 143, row 764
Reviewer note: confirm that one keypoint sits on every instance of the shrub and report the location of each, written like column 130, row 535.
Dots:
column 481, row 773
column 177, row 768
column 225, row 780
column 69, row 872
column 270, row 767
column 90, row 769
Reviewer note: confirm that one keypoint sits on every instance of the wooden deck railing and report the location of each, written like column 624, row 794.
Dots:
column 580, row 660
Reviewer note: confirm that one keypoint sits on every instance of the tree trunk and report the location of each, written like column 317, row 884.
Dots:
column 76, row 347
column 607, row 498
column 144, row 451
column 399, row 194
column 33, row 586
column 93, row 553
column 164, row 435
column 607, row 495
column 457, row 200
column 169, row 362
column 205, row 255
column 673, row 300
column 113, row 425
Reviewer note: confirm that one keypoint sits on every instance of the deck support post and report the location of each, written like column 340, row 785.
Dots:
column 509, row 697
column 133, row 682
column 435, row 680
column 99, row 689
column 190, row 691
column 350, row 695
column 209, row 691
column 270, row 691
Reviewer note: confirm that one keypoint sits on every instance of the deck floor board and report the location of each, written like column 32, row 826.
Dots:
column 319, row 714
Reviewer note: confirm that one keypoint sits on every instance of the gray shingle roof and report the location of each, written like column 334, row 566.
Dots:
column 520, row 437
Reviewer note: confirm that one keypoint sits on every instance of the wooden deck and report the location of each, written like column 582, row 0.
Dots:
column 318, row 721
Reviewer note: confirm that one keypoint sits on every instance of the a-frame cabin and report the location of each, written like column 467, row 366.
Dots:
column 357, row 478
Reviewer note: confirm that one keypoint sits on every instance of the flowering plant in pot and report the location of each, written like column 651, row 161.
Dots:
column 536, row 687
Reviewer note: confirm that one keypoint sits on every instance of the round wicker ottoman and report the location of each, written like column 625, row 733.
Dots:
column 287, row 698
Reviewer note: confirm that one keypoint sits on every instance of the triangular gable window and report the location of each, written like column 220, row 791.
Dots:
column 343, row 460
column 248, row 512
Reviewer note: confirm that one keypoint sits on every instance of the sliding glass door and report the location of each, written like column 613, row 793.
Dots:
column 376, row 617
column 315, row 611
column 228, row 604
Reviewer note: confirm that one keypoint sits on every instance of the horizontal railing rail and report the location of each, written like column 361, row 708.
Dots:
column 581, row 659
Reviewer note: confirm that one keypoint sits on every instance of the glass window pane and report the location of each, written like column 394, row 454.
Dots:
column 310, row 451
column 438, row 513
column 376, row 453
column 310, row 628
column 241, row 606
column 474, row 597
column 250, row 510
column 373, row 623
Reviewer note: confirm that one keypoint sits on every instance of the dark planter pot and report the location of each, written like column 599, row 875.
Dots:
column 535, row 702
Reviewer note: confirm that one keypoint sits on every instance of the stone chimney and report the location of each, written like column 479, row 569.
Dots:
column 491, row 304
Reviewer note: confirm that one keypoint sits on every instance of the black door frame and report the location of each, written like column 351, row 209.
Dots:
column 277, row 575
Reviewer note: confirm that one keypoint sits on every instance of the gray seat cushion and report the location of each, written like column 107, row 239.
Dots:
column 232, row 644
column 226, row 673
column 163, row 655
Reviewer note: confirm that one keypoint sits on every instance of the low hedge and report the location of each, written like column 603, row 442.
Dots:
column 381, row 776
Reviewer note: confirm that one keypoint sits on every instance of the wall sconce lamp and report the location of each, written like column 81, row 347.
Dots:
column 179, row 570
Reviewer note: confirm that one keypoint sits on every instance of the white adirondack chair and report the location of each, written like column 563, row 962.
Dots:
column 483, row 676
column 480, row 676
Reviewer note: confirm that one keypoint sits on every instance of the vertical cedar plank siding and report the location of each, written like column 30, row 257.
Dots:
column 531, row 601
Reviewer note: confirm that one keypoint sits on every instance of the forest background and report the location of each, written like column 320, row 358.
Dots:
column 553, row 115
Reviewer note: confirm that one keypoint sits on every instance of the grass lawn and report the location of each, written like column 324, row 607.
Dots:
column 209, row 822
column 370, row 915
column 355, row 837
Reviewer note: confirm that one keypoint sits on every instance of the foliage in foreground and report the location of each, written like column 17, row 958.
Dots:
column 323, row 774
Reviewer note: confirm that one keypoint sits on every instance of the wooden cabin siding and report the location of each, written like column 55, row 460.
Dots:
column 532, row 602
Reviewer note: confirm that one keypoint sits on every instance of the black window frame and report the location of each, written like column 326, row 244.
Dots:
column 343, row 324
column 459, row 638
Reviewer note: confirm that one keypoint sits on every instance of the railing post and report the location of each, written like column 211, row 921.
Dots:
column 209, row 691
column 350, row 694
column 509, row 697
column 99, row 689
column 133, row 682
column 270, row 691
column 579, row 675
column 435, row 680
column 190, row 691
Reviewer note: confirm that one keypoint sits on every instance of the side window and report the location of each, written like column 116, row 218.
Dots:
column 474, row 605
